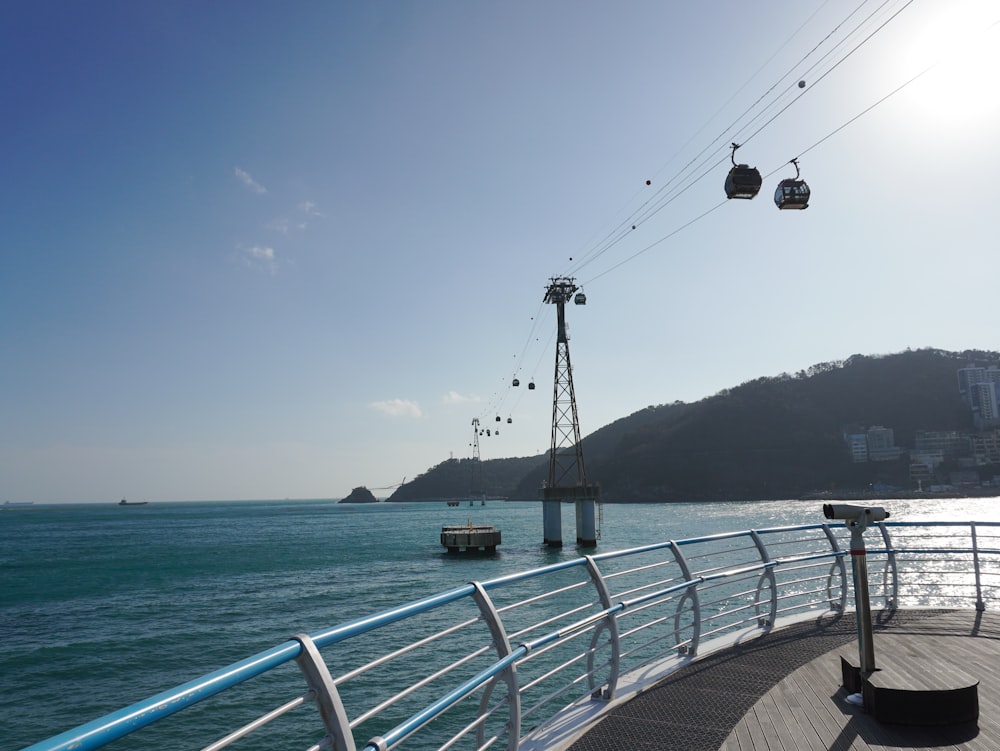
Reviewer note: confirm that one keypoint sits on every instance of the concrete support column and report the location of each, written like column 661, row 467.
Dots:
column 586, row 523
column 552, row 523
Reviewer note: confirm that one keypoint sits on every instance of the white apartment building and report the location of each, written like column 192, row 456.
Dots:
column 986, row 403
column 882, row 444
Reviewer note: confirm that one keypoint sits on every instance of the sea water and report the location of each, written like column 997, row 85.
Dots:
column 103, row 605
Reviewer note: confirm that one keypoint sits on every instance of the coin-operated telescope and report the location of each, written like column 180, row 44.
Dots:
column 855, row 514
column 857, row 519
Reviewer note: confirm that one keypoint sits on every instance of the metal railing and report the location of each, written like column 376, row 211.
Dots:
column 484, row 664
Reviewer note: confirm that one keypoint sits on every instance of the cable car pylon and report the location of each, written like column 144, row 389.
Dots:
column 476, row 489
column 567, row 480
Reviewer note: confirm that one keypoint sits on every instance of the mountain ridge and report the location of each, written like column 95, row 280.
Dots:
column 768, row 438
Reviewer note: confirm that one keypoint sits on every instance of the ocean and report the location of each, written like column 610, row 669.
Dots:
column 101, row 605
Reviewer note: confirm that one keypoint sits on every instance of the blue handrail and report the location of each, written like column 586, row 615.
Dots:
column 662, row 604
column 115, row 725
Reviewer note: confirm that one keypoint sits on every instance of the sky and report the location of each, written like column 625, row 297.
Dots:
column 258, row 250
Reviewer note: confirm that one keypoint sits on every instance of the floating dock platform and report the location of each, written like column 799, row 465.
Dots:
column 470, row 538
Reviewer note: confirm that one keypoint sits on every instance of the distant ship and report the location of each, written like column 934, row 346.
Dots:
column 123, row 502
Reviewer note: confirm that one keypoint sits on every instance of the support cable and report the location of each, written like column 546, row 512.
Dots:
column 647, row 211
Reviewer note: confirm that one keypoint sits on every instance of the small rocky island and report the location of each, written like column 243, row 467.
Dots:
column 360, row 495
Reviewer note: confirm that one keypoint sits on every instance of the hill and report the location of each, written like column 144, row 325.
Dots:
column 782, row 437
column 772, row 437
column 360, row 495
column 462, row 478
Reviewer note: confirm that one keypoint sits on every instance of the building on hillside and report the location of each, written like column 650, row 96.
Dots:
column 951, row 443
column 857, row 446
column 873, row 444
column 986, row 404
column 882, row 444
column 986, row 447
column 921, row 473
column 932, row 459
column 972, row 375
column 964, row 479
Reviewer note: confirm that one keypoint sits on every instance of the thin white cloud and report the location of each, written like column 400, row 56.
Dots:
column 260, row 253
column 293, row 221
column 453, row 397
column 245, row 178
column 309, row 207
column 397, row 408
column 259, row 256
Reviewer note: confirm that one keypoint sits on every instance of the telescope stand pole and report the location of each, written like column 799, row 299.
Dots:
column 859, row 567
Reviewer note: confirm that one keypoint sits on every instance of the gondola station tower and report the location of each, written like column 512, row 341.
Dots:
column 567, row 480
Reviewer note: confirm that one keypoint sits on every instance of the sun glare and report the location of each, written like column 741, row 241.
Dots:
column 959, row 47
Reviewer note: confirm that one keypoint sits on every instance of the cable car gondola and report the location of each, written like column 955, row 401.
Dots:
column 531, row 385
column 498, row 418
column 580, row 299
column 742, row 181
column 515, row 382
column 510, row 420
column 792, row 193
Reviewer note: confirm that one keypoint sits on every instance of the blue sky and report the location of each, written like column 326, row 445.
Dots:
column 268, row 250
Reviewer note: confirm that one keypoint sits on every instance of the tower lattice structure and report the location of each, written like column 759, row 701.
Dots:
column 567, row 478
column 476, row 481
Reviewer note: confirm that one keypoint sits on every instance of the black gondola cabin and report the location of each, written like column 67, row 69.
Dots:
column 743, row 181
column 792, row 193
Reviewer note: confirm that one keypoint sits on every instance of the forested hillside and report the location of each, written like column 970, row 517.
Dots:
column 458, row 478
column 773, row 437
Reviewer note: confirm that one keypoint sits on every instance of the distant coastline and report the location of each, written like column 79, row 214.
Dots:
column 888, row 495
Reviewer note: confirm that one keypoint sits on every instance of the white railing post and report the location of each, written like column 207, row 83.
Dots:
column 502, row 644
column 768, row 576
column 610, row 623
column 691, row 593
column 331, row 708
column 838, row 566
column 891, row 569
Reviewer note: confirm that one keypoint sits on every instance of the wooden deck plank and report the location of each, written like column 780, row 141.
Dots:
column 760, row 727
column 825, row 721
column 744, row 742
column 788, row 705
column 783, row 735
column 755, row 732
column 788, row 691
column 825, row 704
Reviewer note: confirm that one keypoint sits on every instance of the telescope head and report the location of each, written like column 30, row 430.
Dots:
column 856, row 514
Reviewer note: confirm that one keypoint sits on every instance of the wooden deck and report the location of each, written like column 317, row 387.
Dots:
column 783, row 692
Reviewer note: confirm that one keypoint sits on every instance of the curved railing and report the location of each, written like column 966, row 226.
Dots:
column 492, row 663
